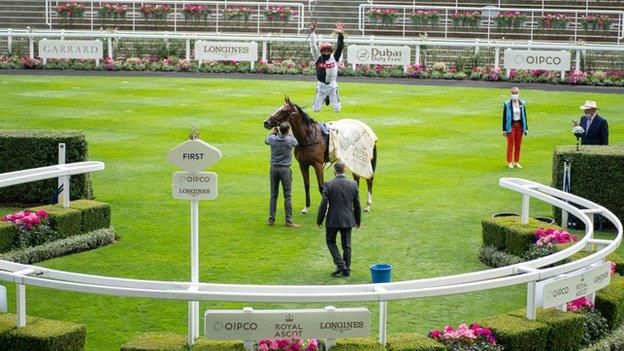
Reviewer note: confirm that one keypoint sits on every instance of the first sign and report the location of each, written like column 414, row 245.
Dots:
column 194, row 155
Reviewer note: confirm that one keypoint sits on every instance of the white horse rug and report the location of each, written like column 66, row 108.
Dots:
column 352, row 143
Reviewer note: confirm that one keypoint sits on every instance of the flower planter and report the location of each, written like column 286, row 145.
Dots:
column 505, row 214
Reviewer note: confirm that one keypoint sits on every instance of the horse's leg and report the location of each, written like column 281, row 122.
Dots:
column 369, row 194
column 305, row 172
column 320, row 176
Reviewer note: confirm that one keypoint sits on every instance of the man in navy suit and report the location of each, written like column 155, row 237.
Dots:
column 596, row 127
column 341, row 205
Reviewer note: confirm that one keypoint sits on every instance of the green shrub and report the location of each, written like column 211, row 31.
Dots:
column 63, row 247
column 217, row 345
column 518, row 333
column 8, row 236
column 358, row 344
column 596, row 175
column 64, row 221
column 156, row 342
column 494, row 258
column 413, row 342
column 612, row 342
column 566, row 328
column 610, row 302
column 596, row 326
column 36, row 148
column 95, row 214
column 508, row 234
column 40, row 335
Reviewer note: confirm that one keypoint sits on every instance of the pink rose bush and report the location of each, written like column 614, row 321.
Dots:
column 288, row 345
column 32, row 227
column 580, row 305
column 549, row 237
column 466, row 338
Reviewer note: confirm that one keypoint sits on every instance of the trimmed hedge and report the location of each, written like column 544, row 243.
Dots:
column 63, row 247
column 65, row 221
column 612, row 342
column 217, row 345
column 358, row 344
column 518, row 334
column 610, row 302
column 26, row 149
column 41, row 335
column 596, row 175
column 566, row 328
column 8, row 236
column 95, row 214
column 492, row 257
column 509, row 235
column 177, row 342
column 413, row 342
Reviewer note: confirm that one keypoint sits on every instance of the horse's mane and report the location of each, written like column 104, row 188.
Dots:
column 304, row 116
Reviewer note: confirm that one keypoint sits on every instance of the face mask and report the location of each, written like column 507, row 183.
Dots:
column 515, row 97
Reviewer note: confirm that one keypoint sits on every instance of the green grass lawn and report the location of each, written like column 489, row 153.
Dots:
column 441, row 155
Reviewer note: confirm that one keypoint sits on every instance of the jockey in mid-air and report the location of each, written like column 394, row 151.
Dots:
column 326, row 68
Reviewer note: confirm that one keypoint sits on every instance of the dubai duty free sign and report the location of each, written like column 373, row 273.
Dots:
column 193, row 156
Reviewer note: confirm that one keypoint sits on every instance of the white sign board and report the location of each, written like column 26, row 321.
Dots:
column 194, row 155
column 378, row 55
column 195, row 186
column 536, row 59
column 71, row 49
column 226, row 51
column 280, row 324
column 558, row 291
column 3, row 300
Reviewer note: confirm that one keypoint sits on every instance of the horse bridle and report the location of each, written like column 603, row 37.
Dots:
column 293, row 111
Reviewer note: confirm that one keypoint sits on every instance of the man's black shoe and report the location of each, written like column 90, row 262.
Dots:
column 346, row 273
column 327, row 100
column 337, row 273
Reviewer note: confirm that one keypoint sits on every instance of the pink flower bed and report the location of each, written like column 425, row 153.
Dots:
column 465, row 336
column 549, row 237
column 26, row 218
column 287, row 345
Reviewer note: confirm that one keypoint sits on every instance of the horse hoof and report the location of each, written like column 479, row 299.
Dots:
column 367, row 209
column 304, row 211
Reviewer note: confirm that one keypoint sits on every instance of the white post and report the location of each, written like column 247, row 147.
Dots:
column 188, row 49
column 63, row 198
column 31, row 47
column 193, row 306
column 383, row 320
column 564, row 219
column 417, row 55
column 110, row 48
column 20, row 305
column 248, row 343
column 525, row 209
column 329, row 343
column 264, row 50
column 496, row 57
column 531, row 303
column 577, row 60
column 9, row 41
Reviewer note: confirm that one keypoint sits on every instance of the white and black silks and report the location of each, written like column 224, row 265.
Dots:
column 326, row 73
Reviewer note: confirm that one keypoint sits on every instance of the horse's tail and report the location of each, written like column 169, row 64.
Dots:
column 374, row 160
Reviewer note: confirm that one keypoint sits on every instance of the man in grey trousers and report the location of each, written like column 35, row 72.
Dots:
column 282, row 144
column 341, row 206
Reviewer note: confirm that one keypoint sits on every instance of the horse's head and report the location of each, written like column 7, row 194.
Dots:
column 283, row 114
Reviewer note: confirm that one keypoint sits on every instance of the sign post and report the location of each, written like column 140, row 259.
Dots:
column 193, row 156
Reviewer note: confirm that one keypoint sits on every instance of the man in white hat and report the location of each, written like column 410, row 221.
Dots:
column 596, row 127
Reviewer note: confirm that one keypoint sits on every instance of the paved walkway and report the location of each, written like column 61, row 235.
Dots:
column 406, row 81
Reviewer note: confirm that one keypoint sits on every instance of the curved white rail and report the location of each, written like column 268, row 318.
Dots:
column 525, row 272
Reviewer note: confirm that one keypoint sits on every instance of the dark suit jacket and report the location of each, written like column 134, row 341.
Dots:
column 598, row 133
column 341, row 204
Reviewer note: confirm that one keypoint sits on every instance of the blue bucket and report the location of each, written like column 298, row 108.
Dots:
column 381, row 272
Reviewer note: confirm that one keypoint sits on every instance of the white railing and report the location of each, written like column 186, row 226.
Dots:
column 523, row 273
column 486, row 25
column 499, row 3
column 134, row 17
column 474, row 44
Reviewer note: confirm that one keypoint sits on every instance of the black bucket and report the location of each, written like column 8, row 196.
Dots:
column 504, row 214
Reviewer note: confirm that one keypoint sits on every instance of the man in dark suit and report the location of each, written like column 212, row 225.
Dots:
column 341, row 206
column 596, row 127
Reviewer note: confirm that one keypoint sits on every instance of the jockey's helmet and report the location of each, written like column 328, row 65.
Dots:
column 327, row 46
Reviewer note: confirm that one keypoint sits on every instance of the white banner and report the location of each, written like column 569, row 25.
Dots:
column 281, row 324
column 226, row 51
column 534, row 59
column 378, row 55
column 558, row 291
column 71, row 49
column 3, row 299
column 195, row 186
